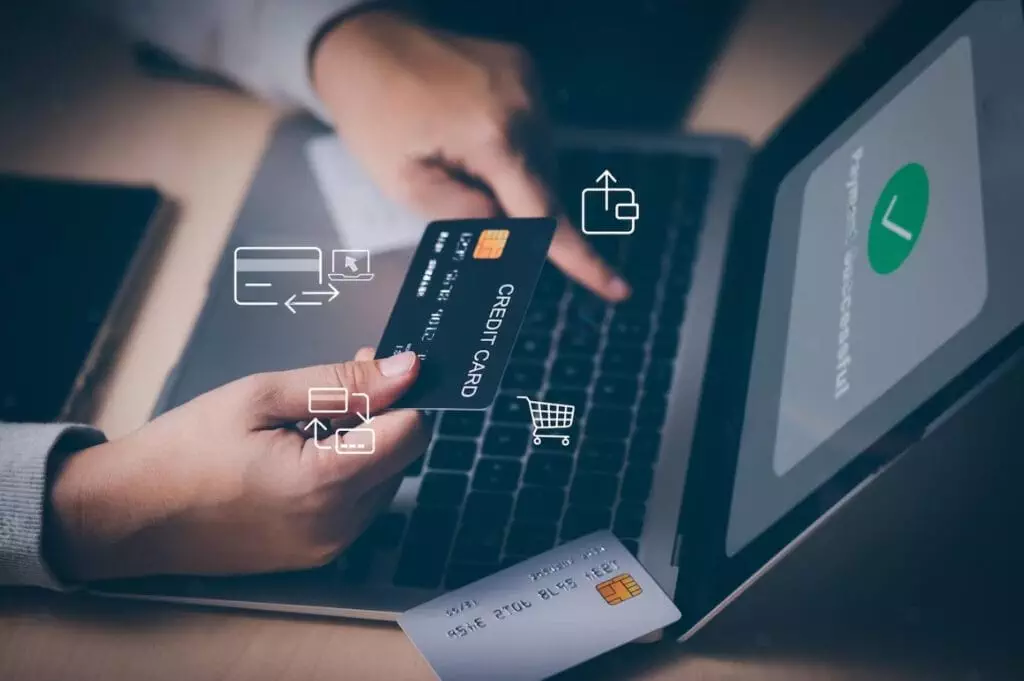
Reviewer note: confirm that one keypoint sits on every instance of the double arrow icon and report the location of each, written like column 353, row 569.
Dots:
column 291, row 303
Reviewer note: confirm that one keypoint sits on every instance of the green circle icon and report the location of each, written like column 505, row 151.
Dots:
column 898, row 219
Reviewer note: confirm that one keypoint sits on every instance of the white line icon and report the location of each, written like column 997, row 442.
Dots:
column 349, row 264
column 607, row 210
column 327, row 400
column 550, row 416
column 316, row 424
column 336, row 401
column 355, row 441
column 892, row 226
column 256, row 268
column 292, row 276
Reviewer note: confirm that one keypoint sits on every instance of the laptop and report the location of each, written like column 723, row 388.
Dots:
column 801, row 317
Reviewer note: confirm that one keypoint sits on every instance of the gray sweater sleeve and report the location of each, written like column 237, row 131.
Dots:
column 27, row 451
column 261, row 44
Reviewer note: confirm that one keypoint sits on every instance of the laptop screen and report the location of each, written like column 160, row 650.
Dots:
column 890, row 266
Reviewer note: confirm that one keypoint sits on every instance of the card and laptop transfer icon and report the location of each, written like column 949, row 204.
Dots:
column 350, row 265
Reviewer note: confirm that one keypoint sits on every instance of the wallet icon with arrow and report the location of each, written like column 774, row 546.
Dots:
column 608, row 210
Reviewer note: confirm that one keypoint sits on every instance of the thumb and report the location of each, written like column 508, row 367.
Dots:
column 284, row 396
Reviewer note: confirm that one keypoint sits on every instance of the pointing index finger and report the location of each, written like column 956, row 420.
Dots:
column 522, row 194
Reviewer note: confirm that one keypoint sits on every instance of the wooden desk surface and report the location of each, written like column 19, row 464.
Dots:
column 73, row 106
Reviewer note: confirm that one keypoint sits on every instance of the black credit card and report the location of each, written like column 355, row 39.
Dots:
column 461, row 305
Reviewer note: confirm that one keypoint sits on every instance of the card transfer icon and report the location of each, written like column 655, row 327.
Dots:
column 618, row 589
column 491, row 244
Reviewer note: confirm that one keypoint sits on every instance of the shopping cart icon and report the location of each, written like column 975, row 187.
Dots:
column 550, row 416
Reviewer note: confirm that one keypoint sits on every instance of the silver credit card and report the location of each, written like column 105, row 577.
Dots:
column 542, row 616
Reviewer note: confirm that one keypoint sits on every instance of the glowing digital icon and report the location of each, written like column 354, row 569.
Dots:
column 355, row 441
column 316, row 424
column 607, row 210
column 292, row 276
column 491, row 244
column 350, row 265
column 547, row 416
column 327, row 401
column 335, row 401
column 618, row 589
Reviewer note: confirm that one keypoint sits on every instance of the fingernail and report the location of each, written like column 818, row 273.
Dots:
column 618, row 287
column 396, row 365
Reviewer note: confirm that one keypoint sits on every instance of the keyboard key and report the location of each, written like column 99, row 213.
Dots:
column 549, row 470
column 529, row 539
column 578, row 341
column 508, row 408
column 449, row 454
column 665, row 348
column 579, row 521
column 636, row 482
column 415, row 468
column 523, row 377
column 550, row 285
column 608, row 423
column 601, row 456
column 495, row 505
column 571, row 372
column 667, row 335
column 658, row 377
column 643, row 447
column 431, row 525
column 593, row 489
column 672, row 310
column 478, row 542
column 585, row 308
column 615, row 390
column 532, row 347
column 540, row 504
column 421, row 567
column 460, row 574
column 629, row 520
column 575, row 397
column 466, row 423
column 622, row 359
column 506, row 441
column 425, row 550
column 386, row 531
column 443, row 489
column 679, row 278
column 542, row 314
column 650, row 413
column 496, row 475
column 627, row 329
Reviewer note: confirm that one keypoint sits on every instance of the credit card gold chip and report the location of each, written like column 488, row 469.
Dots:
column 618, row 589
column 490, row 244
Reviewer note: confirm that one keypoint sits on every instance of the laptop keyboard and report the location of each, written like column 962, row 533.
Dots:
column 489, row 496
